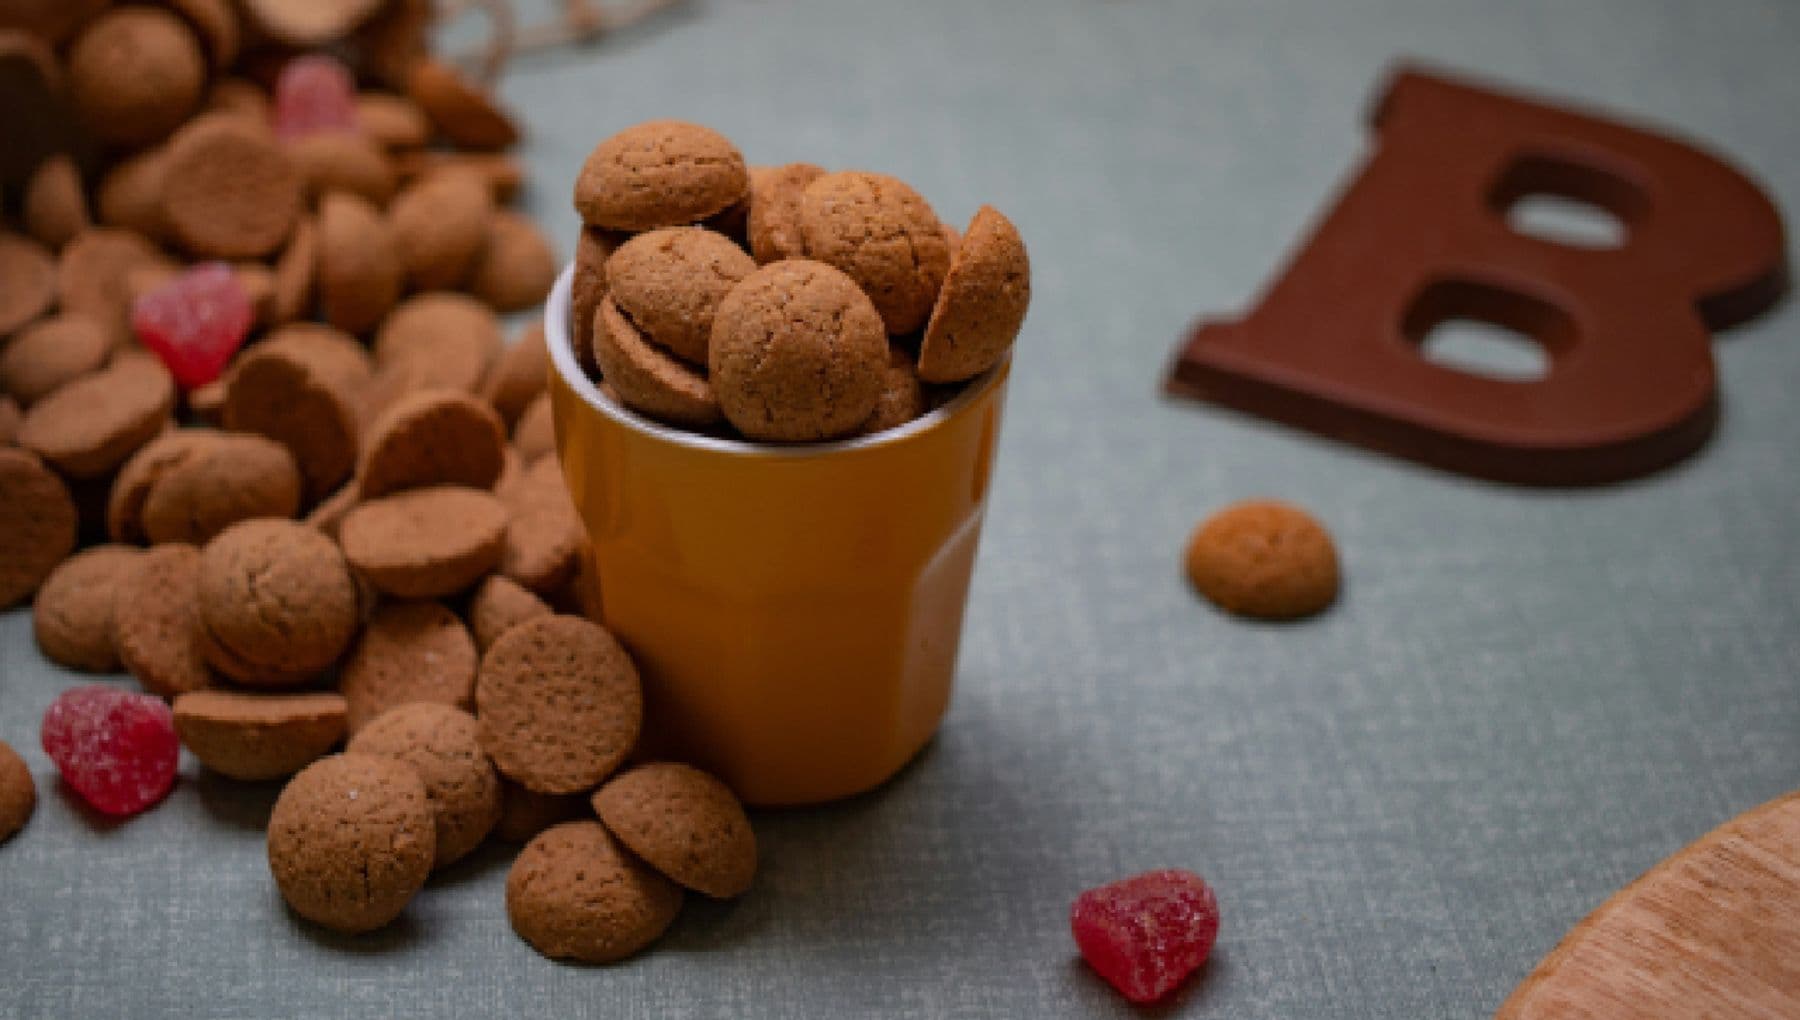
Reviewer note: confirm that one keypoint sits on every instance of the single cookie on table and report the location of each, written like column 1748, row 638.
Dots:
column 573, row 894
column 72, row 616
column 51, row 353
column 229, row 190
column 440, row 340
column 798, row 353
column 884, row 235
column 130, row 193
column 425, row 543
column 351, row 841
column 18, row 793
column 358, row 273
column 277, row 602
column 393, row 122
column 90, row 426
column 498, row 605
column 92, row 273
column 670, row 282
column 901, row 399
column 432, row 437
column 254, row 736
column 982, row 304
column 463, row 113
column 410, row 651
column 660, row 173
column 559, row 703
column 305, row 399
column 30, row 273
column 519, row 375
column 294, row 271
column 440, row 224
column 441, row 743
column 544, row 536
column 331, row 161
column 774, row 226
column 525, row 813
column 134, row 74
column 587, row 287
column 517, row 265
column 535, row 434
column 1264, row 558
column 188, row 485
column 685, row 824
column 648, row 379
column 55, row 208
column 156, row 621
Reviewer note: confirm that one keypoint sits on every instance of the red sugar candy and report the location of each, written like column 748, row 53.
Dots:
column 1146, row 934
column 195, row 322
column 116, row 749
column 315, row 94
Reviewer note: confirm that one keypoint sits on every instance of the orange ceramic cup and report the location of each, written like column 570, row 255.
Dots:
column 795, row 610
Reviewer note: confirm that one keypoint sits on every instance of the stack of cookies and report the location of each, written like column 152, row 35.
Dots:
column 780, row 303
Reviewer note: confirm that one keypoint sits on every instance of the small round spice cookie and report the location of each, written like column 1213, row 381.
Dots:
column 339, row 355
column 442, row 743
column 72, row 616
column 884, row 235
column 559, row 703
column 535, row 434
column 52, row 21
column 229, row 191
column 1264, row 559
column 27, row 281
column 140, row 474
column 525, row 813
column 661, row 173
column 440, row 340
column 55, row 208
column 156, row 621
column 504, row 175
column 410, row 651
column 774, row 226
column 543, row 531
column 254, row 737
column 294, row 270
column 50, row 353
column 519, row 375
column 93, row 273
column 277, row 602
column 797, row 353
column 588, row 286
column 240, row 96
column 648, row 379
column 216, row 24
column 309, row 23
column 18, row 793
column 669, row 283
column 359, row 272
column 130, row 194
column 982, row 304
column 351, row 841
column 499, row 604
column 341, row 161
column 573, row 894
column 90, row 426
column 225, row 478
column 425, row 543
column 902, row 398
column 303, row 399
column 517, row 265
column 135, row 73
column 10, row 416
column 440, row 223
column 432, row 437
column 464, row 114
column 685, row 824
column 393, row 122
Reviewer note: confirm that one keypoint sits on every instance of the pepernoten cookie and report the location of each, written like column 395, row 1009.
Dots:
column 37, row 524
column 559, row 704
column 543, row 533
column 51, row 353
column 277, row 602
column 517, row 265
column 88, row 427
column 982, row 304
column 647, row 378
column 535, row 434
column 410, row 651
column 55, row 209
column 190, row 484
column 18, row 793
column 1266, row 559
column 134, row 74
column 229, row 191
column 669, row 283
column 884, row 236
column 660, row 173
column 797, row 353
column 901, row 398
column 440, row 742
column 440, row 224
column 253, row 736
column 588, row 286
column 439, row 340
column 425, row 543
column 359, row 273
column 685, row 824
column 574, row 895
column 29, row 275
column 498, row 605
column 518, row 376
column 72, row 616
column 304, row 399
column 351, row 841
column 156, row 621
column 774, row 227
column 432, row 437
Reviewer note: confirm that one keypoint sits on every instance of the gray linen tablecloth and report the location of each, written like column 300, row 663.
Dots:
column 1524, row 699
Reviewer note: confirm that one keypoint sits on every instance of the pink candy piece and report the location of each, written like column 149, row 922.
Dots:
column 1146, row 934
column 315, row 94
column 114, row 748
column 195, row 322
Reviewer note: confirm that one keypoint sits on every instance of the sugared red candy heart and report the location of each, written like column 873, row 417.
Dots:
column 195, row 322
column 114, row 748
column 315, row 94
column 1147, row 933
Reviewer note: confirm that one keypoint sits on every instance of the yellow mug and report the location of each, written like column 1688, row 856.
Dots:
column 795, row 611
